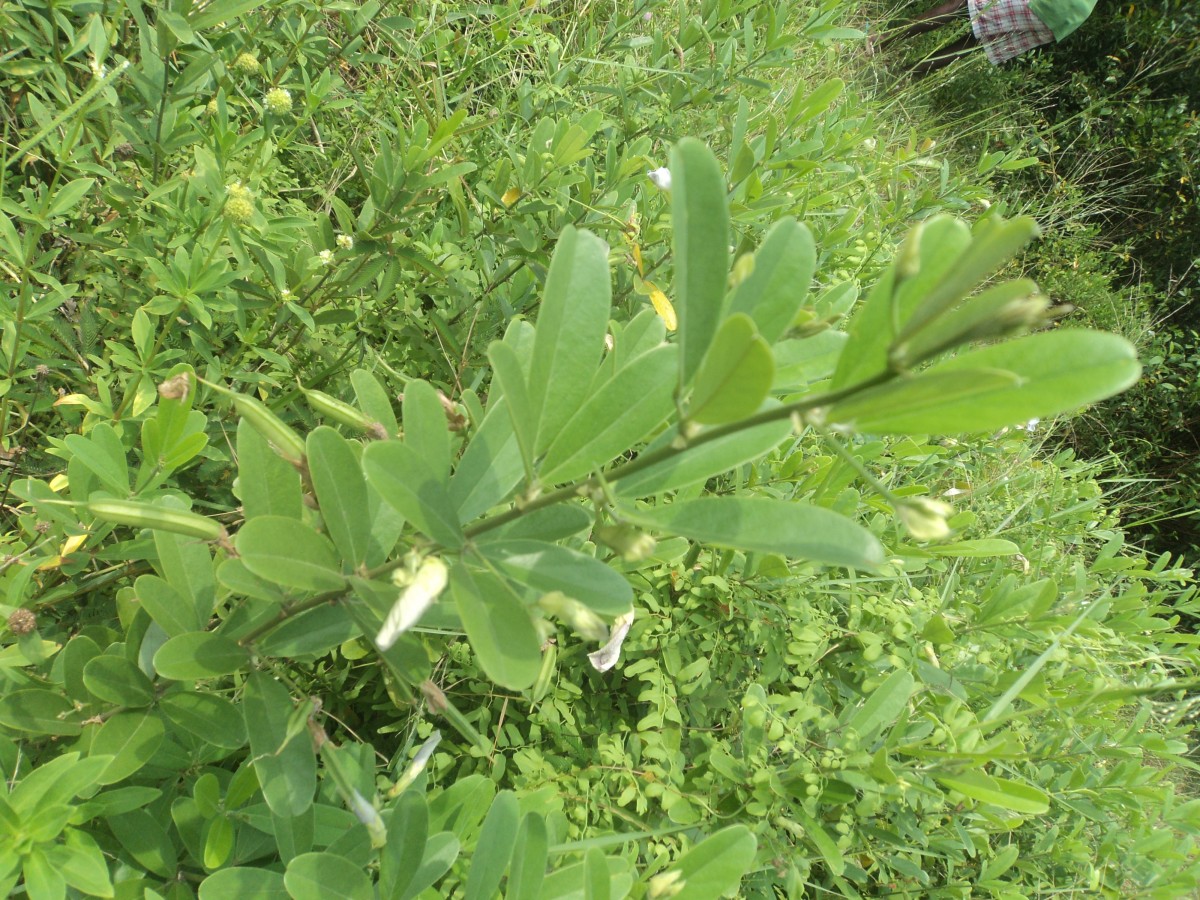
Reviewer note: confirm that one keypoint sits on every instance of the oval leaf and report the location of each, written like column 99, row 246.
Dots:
column 735, row 376
column 199, row 655
column 549, row 567
column 700, row 220
column 341, row 493
column 1037, row 376
column 288, row 552
column 499, row 628
column 765, row 525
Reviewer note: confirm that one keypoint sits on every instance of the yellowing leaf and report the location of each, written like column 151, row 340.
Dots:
column 637, row 259
column 59, row 483
column 511, row 196
column 73, row 543
column 663, row 307
column 52, row 563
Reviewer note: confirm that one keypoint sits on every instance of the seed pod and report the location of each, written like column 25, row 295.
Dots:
column 332, row 408
column 283, row 439
column 549, row 666
column 143, row 515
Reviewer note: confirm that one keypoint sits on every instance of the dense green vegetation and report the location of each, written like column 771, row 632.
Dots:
column 408, row 496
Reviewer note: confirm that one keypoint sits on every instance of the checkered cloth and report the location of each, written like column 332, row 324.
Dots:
column 1007, row 28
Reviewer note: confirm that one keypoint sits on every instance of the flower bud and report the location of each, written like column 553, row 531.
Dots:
column 631, row 544
column 418, row 596
column 925, row 518
column 246, row 64
column 666, row 884
column 278, row 101
column 581, row 620
column 22, row 622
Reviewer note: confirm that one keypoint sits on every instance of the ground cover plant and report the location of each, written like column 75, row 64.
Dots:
column 407, row 496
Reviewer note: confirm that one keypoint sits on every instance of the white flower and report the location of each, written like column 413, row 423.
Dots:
column 606, row 657
column 661, row 178
column 869, row 143
column 345, row 242
column 325, row 257
column 425, row 587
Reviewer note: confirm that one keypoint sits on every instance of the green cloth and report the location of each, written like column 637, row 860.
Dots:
column 1062, row 16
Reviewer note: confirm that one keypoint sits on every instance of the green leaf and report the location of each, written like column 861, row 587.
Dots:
column 116, row 680
column 628, row 407
column 493, row 847
column 569, row 339
column 529, row 858
column 131, row 739
column 39, row 711
column 374, row 400
column 884, row 706
column 550, row 523
column 266, row 484
column 766, row 525
column 407, row 483
column 735, row 376
column 701, row 463
column 146, row 840
column 490, row 468
column 506, row 368
column 57, row 782
column 549, row 567
column 425, row 427
column 286, row 765
column 407, row 831
column 104, row 455
column 775, row 291
column 313, row 632
column 820, row 839
column 199, row 655
column 982, row 547
column 1037, row 376
column 715, row 866
column 800, row 362
column 223, row 11
column 67, row 196
column 174, row 614
column 1014, row 795
column 80, row 650
column 931, row 249
column 441, row 850
column 341, row 493
column 499, row 628
column 288, row 552
column 700, row 220
column 597, row 882
column 319, row 876
column 81, row 863
column 186, row 564
column 207, row 716
column 244, row 883
column 995, row 242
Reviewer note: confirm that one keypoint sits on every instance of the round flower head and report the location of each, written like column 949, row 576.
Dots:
column 345, row 242
column 278, row 101
column 325, row 257
column 247, row 64
column 239, row 209
column 239, row 202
